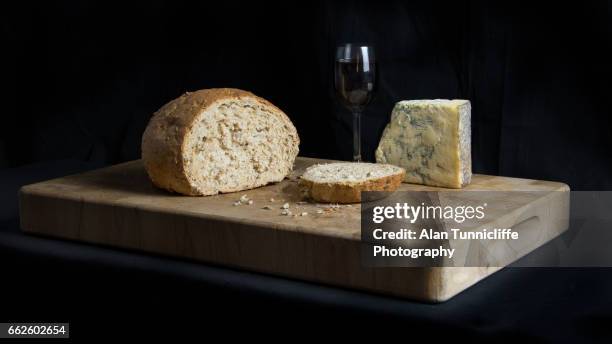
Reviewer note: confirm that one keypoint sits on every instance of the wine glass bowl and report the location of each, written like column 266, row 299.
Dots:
column 354, row 82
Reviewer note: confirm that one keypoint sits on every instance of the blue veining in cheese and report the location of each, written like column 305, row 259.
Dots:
column 431, row 139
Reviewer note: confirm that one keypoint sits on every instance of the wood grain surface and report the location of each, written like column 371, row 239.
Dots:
column 118, row 206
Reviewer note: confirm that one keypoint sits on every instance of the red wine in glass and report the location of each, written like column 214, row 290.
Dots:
column 354, row 82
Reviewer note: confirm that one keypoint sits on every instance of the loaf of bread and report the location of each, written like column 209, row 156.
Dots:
column 218, row 140
column 343, row 182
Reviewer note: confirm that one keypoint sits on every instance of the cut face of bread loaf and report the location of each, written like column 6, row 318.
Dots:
column 343, row 182
column 218, row 140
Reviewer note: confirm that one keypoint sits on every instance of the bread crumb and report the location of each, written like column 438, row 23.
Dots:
column 304, row 214
column 286, row 212
column 319, row 211
column 285, row 206
column 244, row 199
column 272, row 200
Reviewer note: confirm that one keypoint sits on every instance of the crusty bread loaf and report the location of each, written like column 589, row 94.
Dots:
column 343, row 182
column 218, row 140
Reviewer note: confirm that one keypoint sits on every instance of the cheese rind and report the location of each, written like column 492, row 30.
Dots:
column 431, row 140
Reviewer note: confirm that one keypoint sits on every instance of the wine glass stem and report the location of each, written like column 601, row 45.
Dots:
column 356, row 136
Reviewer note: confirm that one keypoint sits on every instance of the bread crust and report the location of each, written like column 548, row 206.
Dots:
column 164, row 144
column 348, row 192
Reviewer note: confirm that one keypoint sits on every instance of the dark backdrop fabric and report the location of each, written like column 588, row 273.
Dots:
column 80, row 79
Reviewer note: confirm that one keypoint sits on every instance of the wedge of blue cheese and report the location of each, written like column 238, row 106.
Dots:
column 431, row 140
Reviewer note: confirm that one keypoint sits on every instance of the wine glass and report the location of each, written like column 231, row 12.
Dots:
column 354, row 81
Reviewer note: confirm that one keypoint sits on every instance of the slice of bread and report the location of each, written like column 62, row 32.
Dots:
column 343, row 182
column 218, row 140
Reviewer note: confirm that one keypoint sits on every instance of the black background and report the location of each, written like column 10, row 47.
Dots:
column 80, row 80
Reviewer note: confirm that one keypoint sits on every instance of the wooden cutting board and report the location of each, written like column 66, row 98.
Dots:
column 118, row 206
